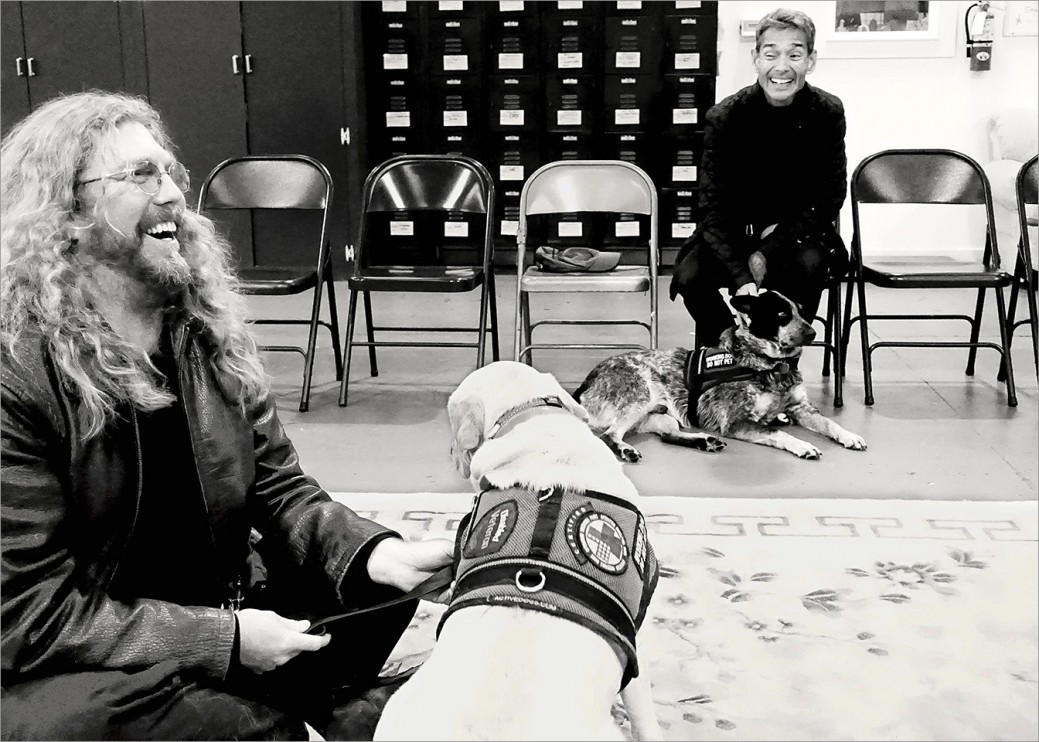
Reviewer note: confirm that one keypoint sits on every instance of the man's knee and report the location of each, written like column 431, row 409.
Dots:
column 687, row 276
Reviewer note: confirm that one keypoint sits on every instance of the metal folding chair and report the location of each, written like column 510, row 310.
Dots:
column 274, row 183
column 926, row 178
column 570, row 186
column 412, row 185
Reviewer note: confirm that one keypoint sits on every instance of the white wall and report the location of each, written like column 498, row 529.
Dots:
column 909, row 102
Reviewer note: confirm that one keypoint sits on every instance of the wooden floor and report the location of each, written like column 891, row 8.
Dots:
column 933, row 433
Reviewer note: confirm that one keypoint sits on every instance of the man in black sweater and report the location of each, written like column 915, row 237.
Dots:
column 772, row 182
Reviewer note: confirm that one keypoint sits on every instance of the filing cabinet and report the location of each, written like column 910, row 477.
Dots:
column 628, row 101
column 518, row 84
column 572, row 39
column 514, row 102
column 455, row 45
column 690, row 43
column 457, row 109
column 572, row 103
column 679, row 161
column 514, row 39
column 678, row 215
column 633, row 44
column 570, row 146
column 686, row 100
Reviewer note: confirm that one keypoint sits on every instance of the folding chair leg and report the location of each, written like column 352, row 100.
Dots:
column 495, row 354
column 828, row 331
column 348, row 346
column 846, row 329
column 835, row 326
column 1033, row 315
column 369, row 326
column 867, row 369
column 308, row 361
column 1004, row 336
column 333, row 314
column 481, row 340
column 1015, row 285
column 975, row 331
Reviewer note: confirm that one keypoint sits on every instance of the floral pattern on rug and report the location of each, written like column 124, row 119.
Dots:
column 923, row 636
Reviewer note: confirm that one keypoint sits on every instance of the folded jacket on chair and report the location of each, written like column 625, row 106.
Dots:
column 575, row 260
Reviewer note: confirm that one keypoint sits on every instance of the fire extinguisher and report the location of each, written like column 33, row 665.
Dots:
column 978, row 25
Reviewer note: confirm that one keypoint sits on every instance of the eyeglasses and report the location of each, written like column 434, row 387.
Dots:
column 147, row 176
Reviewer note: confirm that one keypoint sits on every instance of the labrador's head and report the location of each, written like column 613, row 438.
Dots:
column 488, row 393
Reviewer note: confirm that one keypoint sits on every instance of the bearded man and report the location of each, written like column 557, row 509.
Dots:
column 141, row 456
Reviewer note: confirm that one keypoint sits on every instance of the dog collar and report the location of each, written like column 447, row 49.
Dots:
column 521, row 412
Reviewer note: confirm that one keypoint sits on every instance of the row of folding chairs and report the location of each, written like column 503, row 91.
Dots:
column 459, row 185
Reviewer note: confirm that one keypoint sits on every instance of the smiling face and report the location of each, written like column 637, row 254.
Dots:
column 134, row 232
column 782, row 61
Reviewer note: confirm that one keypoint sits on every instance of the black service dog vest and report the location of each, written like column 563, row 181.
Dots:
column 584, row 556
column 706, row 368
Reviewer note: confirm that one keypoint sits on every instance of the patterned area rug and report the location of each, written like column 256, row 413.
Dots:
column 818, row 619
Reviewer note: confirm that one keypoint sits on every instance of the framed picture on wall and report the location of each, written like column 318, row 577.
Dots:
column 879, row 29
column 1021, row 18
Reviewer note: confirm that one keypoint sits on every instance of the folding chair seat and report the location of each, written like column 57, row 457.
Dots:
column 423, row 258
column 274, row 184
column 575, row 186
column 1025, row 268
column 926, row 179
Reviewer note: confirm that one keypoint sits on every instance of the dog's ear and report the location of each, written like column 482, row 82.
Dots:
column 568, row 401
column 743, row 303
column 466, row 415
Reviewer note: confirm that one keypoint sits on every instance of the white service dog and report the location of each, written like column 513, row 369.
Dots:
column 502, row 671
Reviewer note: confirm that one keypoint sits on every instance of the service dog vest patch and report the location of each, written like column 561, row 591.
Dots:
column 706, row 368
column 584, row 556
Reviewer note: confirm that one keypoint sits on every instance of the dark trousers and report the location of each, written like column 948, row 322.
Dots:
column 163, row 703
column 800, row 275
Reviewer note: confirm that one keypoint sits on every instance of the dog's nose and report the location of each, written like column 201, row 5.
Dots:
column 809, row 333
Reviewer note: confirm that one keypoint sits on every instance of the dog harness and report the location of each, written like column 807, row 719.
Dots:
column 584, row 556
column 706, row 368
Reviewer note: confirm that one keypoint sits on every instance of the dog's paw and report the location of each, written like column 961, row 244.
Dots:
column 630, row 454
column 852, row 441
column 710, row 444
column 805, row 450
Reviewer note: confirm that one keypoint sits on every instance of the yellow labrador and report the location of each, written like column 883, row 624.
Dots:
column 554, row 511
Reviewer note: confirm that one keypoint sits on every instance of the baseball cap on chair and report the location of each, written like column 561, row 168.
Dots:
column 575, row 260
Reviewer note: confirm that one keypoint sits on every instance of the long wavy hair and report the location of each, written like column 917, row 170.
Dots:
column 44, row 290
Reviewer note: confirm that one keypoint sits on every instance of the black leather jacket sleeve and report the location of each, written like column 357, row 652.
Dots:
column 54, row 614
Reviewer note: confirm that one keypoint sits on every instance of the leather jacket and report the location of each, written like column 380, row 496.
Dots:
column 69, row 506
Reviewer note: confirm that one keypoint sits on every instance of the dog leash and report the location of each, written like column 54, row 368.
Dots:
column 439, row 579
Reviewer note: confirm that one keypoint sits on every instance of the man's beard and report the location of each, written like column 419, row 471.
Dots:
column 156, row 263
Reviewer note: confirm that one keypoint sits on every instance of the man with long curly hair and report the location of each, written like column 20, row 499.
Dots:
column 147, row 482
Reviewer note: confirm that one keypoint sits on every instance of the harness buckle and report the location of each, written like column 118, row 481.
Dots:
column 529, row 588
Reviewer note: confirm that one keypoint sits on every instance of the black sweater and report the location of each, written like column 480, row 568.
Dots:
column 763, row 165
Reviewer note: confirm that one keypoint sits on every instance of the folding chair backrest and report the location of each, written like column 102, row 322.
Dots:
column 267, row 182
column 429, row 183
column 921, row 176
column 588, row 185
column 1028, row 182
column 605, row 186
column 424, row 183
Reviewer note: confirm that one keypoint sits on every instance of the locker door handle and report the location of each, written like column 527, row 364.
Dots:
column 344, row 135
column 248, row 64
column 234, row 63
column 28, row 64
column 18, row 66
